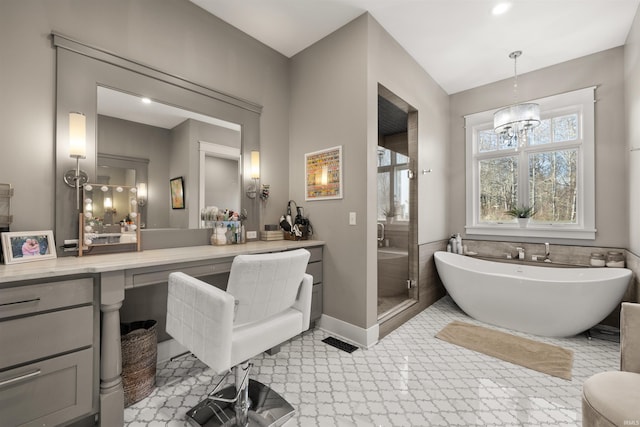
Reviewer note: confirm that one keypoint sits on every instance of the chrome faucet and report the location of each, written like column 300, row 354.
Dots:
column 547, row 252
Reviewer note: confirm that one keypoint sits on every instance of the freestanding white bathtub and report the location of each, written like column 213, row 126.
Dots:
column 547, row 301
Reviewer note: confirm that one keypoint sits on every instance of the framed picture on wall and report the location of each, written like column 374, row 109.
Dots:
column 177, row 193
column 323, row 174
column 27, row 246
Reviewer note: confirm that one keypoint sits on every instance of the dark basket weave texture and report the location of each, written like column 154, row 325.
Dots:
column 139, row 341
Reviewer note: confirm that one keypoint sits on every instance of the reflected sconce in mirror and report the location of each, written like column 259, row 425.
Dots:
column 252, row 189
column 77, row 150
column 142, row 194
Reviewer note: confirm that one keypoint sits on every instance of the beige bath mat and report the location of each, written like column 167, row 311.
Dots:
column 541, row 357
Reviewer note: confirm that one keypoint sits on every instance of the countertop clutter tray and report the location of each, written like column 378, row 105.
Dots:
column 271, row 235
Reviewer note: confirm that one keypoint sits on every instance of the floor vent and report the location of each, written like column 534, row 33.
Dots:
column 339, row 344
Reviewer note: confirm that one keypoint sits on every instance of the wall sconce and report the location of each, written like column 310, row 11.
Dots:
column 77, row 150
column 252, row 189
column 142, row 194
column 108, row 203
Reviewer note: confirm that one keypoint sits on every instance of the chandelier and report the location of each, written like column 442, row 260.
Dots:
column 514, row 123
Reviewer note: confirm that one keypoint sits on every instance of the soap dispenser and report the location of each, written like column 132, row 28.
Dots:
column 459, row 244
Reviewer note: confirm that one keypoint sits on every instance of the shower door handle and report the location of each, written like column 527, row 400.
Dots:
column 381, row 226
column 411, row 284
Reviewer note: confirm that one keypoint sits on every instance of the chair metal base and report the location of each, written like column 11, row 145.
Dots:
column 267, row 408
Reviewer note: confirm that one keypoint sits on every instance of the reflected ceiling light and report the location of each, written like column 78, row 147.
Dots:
column 514, row 123
column 501, row 8
column 146, row 101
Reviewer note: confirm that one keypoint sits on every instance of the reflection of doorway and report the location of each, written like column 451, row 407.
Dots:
column 397, row 206
column 220, row 178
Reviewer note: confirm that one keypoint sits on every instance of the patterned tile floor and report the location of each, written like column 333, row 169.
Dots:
column 409, row 378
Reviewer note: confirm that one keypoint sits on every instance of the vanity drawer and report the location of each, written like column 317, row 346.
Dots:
column 315, row 269
column 49, row 392
column 151, row 276
column 316, row 254
column 29, row 299
column 44, row 335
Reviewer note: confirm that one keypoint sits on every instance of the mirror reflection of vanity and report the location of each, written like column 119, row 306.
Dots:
column 128, row 146
column 145, row 141
column 110, row 220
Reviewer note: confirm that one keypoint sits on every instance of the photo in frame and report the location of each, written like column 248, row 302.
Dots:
column 177, row 192
column 27, row 246
column 323, row 174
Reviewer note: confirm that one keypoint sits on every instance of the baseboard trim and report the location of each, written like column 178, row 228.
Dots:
column 350, row 333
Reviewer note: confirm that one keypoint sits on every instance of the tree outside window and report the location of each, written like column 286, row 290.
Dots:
column 552, row 171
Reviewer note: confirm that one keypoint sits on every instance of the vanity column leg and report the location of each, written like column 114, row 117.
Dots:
column 111, row 390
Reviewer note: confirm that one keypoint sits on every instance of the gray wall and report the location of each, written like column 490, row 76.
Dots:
column 334, row 89
column 632, row 107
column 174, row 36
column 604, row 69
column 329, row 108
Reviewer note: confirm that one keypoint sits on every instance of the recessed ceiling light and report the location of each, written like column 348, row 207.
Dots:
column 146, row 101
column 501, row 8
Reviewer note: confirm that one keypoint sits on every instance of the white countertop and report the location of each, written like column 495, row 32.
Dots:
column 69, row 265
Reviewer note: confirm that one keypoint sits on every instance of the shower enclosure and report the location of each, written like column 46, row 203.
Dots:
column 396, row 233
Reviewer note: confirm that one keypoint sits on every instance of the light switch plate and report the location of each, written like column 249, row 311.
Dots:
column 352, row 218
column 252, row 234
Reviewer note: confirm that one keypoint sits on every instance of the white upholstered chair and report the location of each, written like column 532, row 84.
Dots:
column 611, row 399
column 267, row 302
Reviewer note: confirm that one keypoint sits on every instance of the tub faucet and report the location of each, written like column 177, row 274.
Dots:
column 520, row 253
column 547, row 252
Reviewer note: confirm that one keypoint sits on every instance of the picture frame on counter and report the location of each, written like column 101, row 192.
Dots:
column 28, row 246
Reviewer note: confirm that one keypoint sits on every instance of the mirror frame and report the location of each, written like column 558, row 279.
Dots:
column 80, row 70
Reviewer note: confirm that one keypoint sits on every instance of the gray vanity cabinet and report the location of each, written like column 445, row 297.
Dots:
column 314, row 268
column 47, row 333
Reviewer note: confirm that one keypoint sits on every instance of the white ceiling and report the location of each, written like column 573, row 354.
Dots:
column 126, row 106
column 458, row 42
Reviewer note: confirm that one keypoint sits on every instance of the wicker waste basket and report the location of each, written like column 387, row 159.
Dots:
column 139, row 341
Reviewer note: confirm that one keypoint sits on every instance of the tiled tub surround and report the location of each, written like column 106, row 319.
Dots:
column 561, row 255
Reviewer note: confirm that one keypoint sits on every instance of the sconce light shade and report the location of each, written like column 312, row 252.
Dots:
column 77, row 135
column 142, row 193
column 255, row 165
column 108, row 203
column 77, row 150
column 142, row 190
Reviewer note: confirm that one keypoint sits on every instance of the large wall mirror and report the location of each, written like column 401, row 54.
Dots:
column 147, row 127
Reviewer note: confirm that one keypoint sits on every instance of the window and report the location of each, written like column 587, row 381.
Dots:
column 553, row 171
column 393, row 185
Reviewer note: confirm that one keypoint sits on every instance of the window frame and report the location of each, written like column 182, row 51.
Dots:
column 580, row 101
column 392, row 168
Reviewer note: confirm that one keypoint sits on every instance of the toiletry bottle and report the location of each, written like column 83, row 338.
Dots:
column 459, row 244
column 454, row 247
